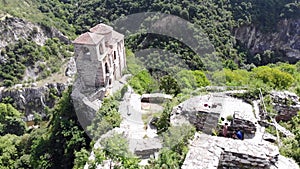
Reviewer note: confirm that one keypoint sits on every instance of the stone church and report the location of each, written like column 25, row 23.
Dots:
column 100, row 60
column 100, row 56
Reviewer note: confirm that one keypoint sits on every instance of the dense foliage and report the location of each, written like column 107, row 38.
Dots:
column 27, row 54
column 10, row 120
column 106, row 118
column 175, row 141
column 217, row 18
column 44, row 147
column 63, row 137
column 273, row 76
column 266, row 13
column 291, row 147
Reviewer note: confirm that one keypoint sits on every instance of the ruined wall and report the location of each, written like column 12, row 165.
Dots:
column 225, row 153
column 203, row 121
column 286, row 104
column 87, row 66
column 243, row 125
column 231, row 160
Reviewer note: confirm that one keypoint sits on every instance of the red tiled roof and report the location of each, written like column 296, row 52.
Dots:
column 88, row 39
column 101, row 29
column 117, row 35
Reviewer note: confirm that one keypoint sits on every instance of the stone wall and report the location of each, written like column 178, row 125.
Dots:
column 231, row 160
column 203, row 121
column 243, row 125
column 220, row 153
column 286, row 104
column 146, row 148
column 198, row 112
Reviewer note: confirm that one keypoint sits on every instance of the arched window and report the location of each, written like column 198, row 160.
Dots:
column 86, row 51
column 106, row 68
column 101, row 48
column 115, row 55
column 86, row 54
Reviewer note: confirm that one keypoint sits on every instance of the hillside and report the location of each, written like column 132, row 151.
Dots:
column 257, row 43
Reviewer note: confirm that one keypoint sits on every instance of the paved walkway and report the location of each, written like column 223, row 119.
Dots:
column 131, row 113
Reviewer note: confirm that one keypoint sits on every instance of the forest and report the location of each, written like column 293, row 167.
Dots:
column 61, row 136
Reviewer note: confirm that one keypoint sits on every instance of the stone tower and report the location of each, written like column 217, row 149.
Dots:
column 100, row 60
column 100, row 57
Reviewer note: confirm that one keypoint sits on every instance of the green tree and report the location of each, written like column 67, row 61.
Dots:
column 106, row 118
column 116, row 148
column 10, row 120
column 9, row 151
column 63, row 137
column 191, row 79
column 163, row 121
column 142, row 82
column 81, row 158
column 169, row 85
column 273, row 77
column 175, row 141
column 291, row 146
column 176, row 137
column 201, row 79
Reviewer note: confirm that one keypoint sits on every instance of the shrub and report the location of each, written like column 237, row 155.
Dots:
column 229, row 118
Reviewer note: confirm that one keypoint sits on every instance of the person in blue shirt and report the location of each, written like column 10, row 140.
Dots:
column 239, row 135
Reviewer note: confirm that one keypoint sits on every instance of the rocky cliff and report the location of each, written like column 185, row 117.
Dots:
column 284, row 43
column 12, row 29
column 33, row 99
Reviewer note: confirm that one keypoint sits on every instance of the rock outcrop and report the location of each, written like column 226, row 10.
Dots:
column 286, row 39
column 12, row 29
column 33, row 99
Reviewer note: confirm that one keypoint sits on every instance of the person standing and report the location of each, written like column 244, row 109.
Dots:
column 239, row 135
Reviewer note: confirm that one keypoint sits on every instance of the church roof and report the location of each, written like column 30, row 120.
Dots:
column 117, row 36
column 88, row 38
column 101, row 29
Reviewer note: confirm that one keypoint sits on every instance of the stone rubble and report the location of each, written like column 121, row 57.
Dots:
column 286, row 104
column 218, row 152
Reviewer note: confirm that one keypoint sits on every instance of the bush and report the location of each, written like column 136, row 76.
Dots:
column 169, row 85
column 8, row 83
column 106, row 118
column 229, row 118
column 143, row 82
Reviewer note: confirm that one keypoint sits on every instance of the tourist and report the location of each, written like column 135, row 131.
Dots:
column 234, row 136
column 239, row 135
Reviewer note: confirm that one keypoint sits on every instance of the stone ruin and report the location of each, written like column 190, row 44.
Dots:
column 213, row 152
column 242, row 122
column 197, row 113
column 286, row 104
column 207, row 151
column 205, row 113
